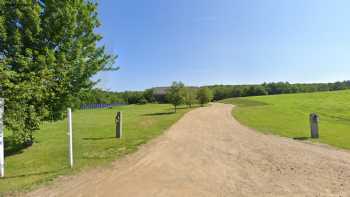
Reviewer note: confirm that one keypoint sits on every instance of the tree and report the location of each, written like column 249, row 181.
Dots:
column 48, row 54
column 149, row 95
column 96, row 95
column 190, row 96
column 236, row 92
column 134, row 97
column 221, row 92
column 175, row 94
column 256, row 90
column 204, row 95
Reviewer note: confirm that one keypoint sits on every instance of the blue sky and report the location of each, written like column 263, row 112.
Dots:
column 202, row 42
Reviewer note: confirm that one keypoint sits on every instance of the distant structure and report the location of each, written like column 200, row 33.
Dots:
column 160, row 90
column 159, row 93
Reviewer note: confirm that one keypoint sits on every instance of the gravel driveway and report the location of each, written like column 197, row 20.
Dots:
column 208, row 153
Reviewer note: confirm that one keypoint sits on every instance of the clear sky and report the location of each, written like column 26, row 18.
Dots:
column 202, row 42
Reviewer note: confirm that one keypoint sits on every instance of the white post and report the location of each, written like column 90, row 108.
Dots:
column 70, row 136
column 2, row 153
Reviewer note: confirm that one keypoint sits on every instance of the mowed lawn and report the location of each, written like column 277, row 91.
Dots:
column 94, row 143
column 288, row 115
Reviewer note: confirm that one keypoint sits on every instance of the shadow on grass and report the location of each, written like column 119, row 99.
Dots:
column 98, row 138
column 35, row 174
column 159, row 114
column 12, row 148
column 301, row 138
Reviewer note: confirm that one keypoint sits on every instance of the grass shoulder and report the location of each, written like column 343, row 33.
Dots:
column 288, row 115
column 94, row 143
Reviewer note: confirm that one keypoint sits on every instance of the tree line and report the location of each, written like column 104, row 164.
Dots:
column 177, row 94
column 218, row 92
column 229, row 91
column 99, row 96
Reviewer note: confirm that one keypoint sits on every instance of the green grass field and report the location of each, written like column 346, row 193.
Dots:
column 288, row 115
column 94, row 143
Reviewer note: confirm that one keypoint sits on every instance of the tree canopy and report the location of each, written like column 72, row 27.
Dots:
column 190, row 96
column 204, row 95
column 48, row 53
column 228, row 91
column 175, row 94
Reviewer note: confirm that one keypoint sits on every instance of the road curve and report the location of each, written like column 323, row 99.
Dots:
column 208, row 153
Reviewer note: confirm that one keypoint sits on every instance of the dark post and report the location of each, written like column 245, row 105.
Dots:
column 314, row 120
column 118, row 125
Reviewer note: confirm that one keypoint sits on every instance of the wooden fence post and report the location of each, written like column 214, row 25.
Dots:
column 118, row 125
column 314, row 119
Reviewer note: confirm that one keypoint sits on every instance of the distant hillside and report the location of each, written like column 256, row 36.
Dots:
column 229, row 91
column 162, row 90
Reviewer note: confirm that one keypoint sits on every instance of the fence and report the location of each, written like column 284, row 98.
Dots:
column 99, row 106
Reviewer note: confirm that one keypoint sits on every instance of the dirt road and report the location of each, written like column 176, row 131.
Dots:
column 208, row 153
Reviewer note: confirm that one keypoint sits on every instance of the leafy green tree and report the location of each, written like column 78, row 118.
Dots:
column 204, row 95
column 142, row 101
column 149, row 95
column 100, row 96
column 134, row 97
column 236, row 92
column 48, row 53
column 175, row 94
column 190, row 96
column 256, row 90
column 221, row 92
